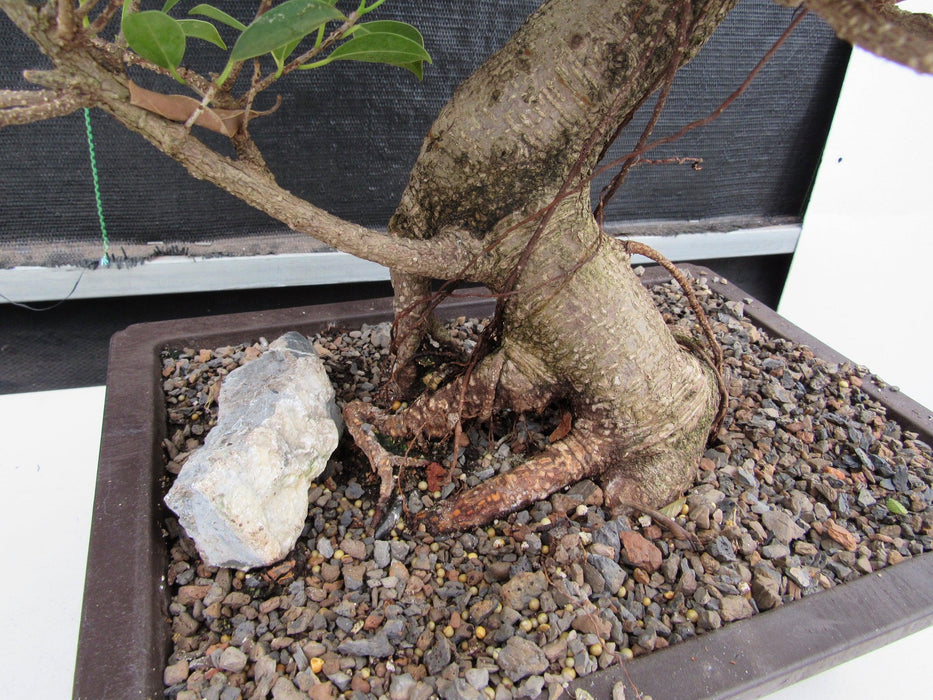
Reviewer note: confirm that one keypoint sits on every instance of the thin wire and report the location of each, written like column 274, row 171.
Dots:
column 44, row 308
column 105, row 258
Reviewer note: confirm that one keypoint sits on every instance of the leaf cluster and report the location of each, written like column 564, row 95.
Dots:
column 279, row 31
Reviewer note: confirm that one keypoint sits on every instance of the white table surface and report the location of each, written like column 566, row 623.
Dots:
column 48, row 464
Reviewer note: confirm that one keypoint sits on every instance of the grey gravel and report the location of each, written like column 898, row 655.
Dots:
column 400, row 617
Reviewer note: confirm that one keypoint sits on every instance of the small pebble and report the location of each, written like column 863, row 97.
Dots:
column 513, row 607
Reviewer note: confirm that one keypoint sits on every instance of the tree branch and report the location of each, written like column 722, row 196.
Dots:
column 27, row 106
column 84, row 75
column 256, row 187
column 882, row 28
column 85, row 8
column 103, row 19
column 66, row 20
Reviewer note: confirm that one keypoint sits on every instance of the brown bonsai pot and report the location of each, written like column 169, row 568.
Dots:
column 125, row 631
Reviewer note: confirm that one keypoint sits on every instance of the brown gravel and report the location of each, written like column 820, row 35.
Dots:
column 808, row 486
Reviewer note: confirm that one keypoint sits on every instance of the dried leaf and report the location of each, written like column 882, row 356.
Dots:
column 841, row 535
column 179, row 108
column 562, row 430
column 672, row 510
column 436, row 476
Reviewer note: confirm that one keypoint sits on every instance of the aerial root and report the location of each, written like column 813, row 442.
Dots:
column 665, row 521
column 712, row 354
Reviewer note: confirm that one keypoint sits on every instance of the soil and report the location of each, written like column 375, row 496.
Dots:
column 807, row 486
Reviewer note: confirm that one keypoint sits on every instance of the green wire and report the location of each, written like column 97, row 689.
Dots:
column 105, row 259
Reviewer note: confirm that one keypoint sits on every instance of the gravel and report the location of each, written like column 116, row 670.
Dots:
column 808, row 486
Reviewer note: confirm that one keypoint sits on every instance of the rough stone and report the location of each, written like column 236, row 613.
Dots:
column 766, row 589
column 522, row 587
column 735, row 607
column 382, row 556
column 639, row 552
column 781, row 524
column 613, row 574
column 438, row 656
column 401, row 686
column 521, row 658
column 242, row 497
column 477, row 677
column 232, row 659
column 459, row 689
column 378, row 646
column 284, row 689
column 175, row 673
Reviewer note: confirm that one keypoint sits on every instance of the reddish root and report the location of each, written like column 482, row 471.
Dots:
column 564, row 462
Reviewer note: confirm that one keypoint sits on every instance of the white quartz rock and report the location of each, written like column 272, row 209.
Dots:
column 243, row 496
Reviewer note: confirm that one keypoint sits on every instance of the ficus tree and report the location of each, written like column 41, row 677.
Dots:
column 499, row 196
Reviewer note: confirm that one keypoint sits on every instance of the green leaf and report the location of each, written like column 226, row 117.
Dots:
column 169, row 4
column 388, row 26
column 155, row 36
column 219, row 15
column 199, row 29
column 280, row 26
column 895, row 506
column 381, row 47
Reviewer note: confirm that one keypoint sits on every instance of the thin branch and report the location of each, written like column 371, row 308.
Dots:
column 226, row 88
column 25, row 98
column 65, row 20
column 716, row 113
column 667, row 81
column 122, row 56
column 697, row 163
column 52, row 106
column 251, row 95
column 205, row 101
column 294, row 64
column 84, row 9
column 103, row 19
column 882, row 28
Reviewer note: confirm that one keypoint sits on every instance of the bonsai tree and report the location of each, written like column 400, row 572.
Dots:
column 499, row 196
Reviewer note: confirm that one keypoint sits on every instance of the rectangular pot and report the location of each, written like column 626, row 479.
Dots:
column 125, row 632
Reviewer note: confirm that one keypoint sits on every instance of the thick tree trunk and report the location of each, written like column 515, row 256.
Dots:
column 521, row 136
column 581, row 328
column 518, row 138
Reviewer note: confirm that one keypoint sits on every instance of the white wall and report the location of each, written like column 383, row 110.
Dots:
column 862, row 273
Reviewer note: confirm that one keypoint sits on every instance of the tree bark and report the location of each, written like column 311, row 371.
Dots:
column 519, row 138
column 500, row 195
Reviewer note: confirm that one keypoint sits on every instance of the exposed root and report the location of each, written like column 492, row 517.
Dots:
column 360, row 419
column 564, row 462
column 436, row 415
column 412, row 316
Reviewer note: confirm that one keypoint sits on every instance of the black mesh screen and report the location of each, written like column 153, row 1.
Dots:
column 346, row 136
